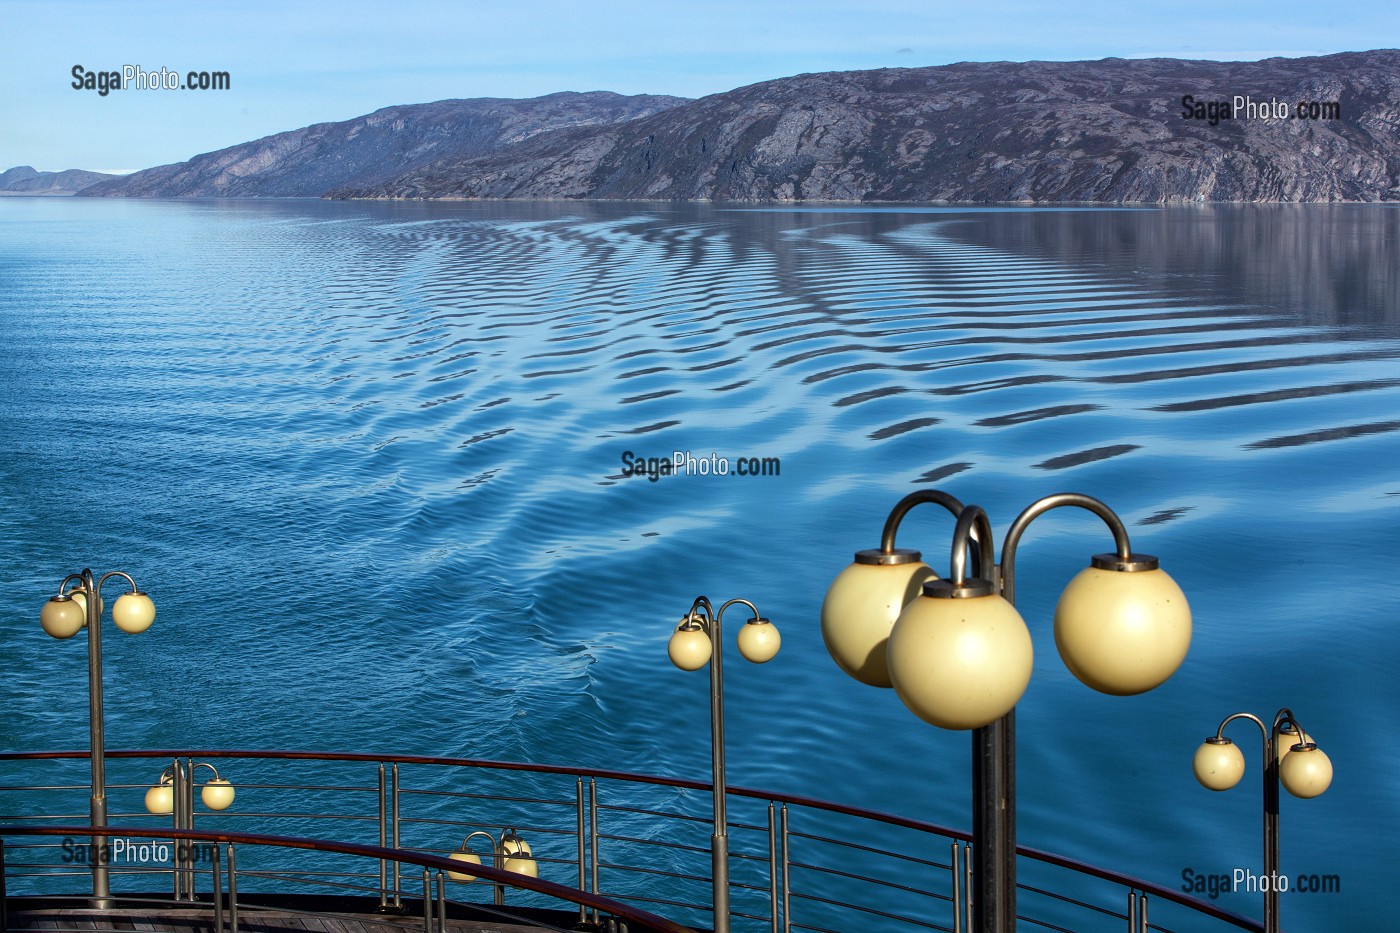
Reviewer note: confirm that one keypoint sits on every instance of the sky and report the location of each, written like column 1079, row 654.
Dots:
column 292, row 63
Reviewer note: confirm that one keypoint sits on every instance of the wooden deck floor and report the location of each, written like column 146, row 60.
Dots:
column 249, row 921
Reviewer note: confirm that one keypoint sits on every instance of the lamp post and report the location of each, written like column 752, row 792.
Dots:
column 958, row 654
column 1291, row 758
column 63, row 616
column 509, row 852
column 173, row 793
column 697, row 640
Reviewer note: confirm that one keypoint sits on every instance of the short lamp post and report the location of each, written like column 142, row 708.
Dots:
column 698, row 640
column 173, row 794
column 509, row 853
column 958, row 654
column 1291, row 758
column 63, row 616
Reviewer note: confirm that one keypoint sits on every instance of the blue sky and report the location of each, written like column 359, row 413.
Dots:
column 295, row 63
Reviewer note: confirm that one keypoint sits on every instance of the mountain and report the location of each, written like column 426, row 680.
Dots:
column 24, row 179
column 1110, row 131
column 371, row 149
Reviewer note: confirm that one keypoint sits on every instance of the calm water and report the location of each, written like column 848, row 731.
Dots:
column 367, row 459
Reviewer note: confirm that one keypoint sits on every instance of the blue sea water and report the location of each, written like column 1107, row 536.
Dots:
column 368, row 458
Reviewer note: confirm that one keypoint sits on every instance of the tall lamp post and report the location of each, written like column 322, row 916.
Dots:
column 696, row 641
column 1291, row 758
column 63, row 616
column 958, row 654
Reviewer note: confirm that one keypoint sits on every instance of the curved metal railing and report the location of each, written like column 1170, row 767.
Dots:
column 434, row 908
column 797, row 863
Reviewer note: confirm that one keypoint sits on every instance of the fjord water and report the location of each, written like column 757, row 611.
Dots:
column 368, row 460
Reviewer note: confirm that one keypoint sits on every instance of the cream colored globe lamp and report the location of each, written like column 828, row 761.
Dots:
column 160, row 799
column 690, row 647
column 960, row 656
column 133, row 612
column 516, row 855
column 464, row 854
column 862, row 605
column 759, row 640
column 62, row 616
column 1123, row 626
column 1306, row 770
column 217, row 794
column 1218, row 764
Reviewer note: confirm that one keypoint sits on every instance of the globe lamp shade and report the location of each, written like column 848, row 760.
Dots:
column 464, row 855
column 521, row 865
column 1122, row 632
column 860, row 609
column 133, row 612
column 1306, row 771
column 160, row 799
column 960, row 663
column 217, row 794
column 62, row 617
column 759, row 640
column 689, row 647
column 1218, row 764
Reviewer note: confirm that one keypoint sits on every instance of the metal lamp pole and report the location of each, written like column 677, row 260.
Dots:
column 698, row 640
column 63, row 616
column 959, row 655
column 1291, row 758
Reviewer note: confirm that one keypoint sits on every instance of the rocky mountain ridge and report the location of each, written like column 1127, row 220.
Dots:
column 376, row 147
column 1105, row 131
column 26, row 180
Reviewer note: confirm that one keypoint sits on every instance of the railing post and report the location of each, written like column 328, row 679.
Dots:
column 582, row 871
column 441, row 903
column 967, row 887
column 394, row 807
column 956, row 869
column 4, row 913
column 427, row 901
column 383, row 842
column 218, row 889
column 1142, row 911
column 593, row 839
column 787, row 888
column 772, row 869
column 232, row 891
column 1132, row 912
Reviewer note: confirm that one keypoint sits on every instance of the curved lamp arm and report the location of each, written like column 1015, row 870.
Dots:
column 1040, row 507
column 974, row 527
column 902, row 507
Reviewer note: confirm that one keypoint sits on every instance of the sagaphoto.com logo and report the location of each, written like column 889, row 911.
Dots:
column 134, row 77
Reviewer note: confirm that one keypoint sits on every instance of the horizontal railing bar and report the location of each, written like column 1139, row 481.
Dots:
column 640, row 870
column 495, row 875
column 644, row 811
column 416, row 792
column 873, row 850
column 1069, row 900
column 865, row 910
column 868, row 880
column 653, row 842
column 429, row 821
column 1045, row 923
column 662, row 900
